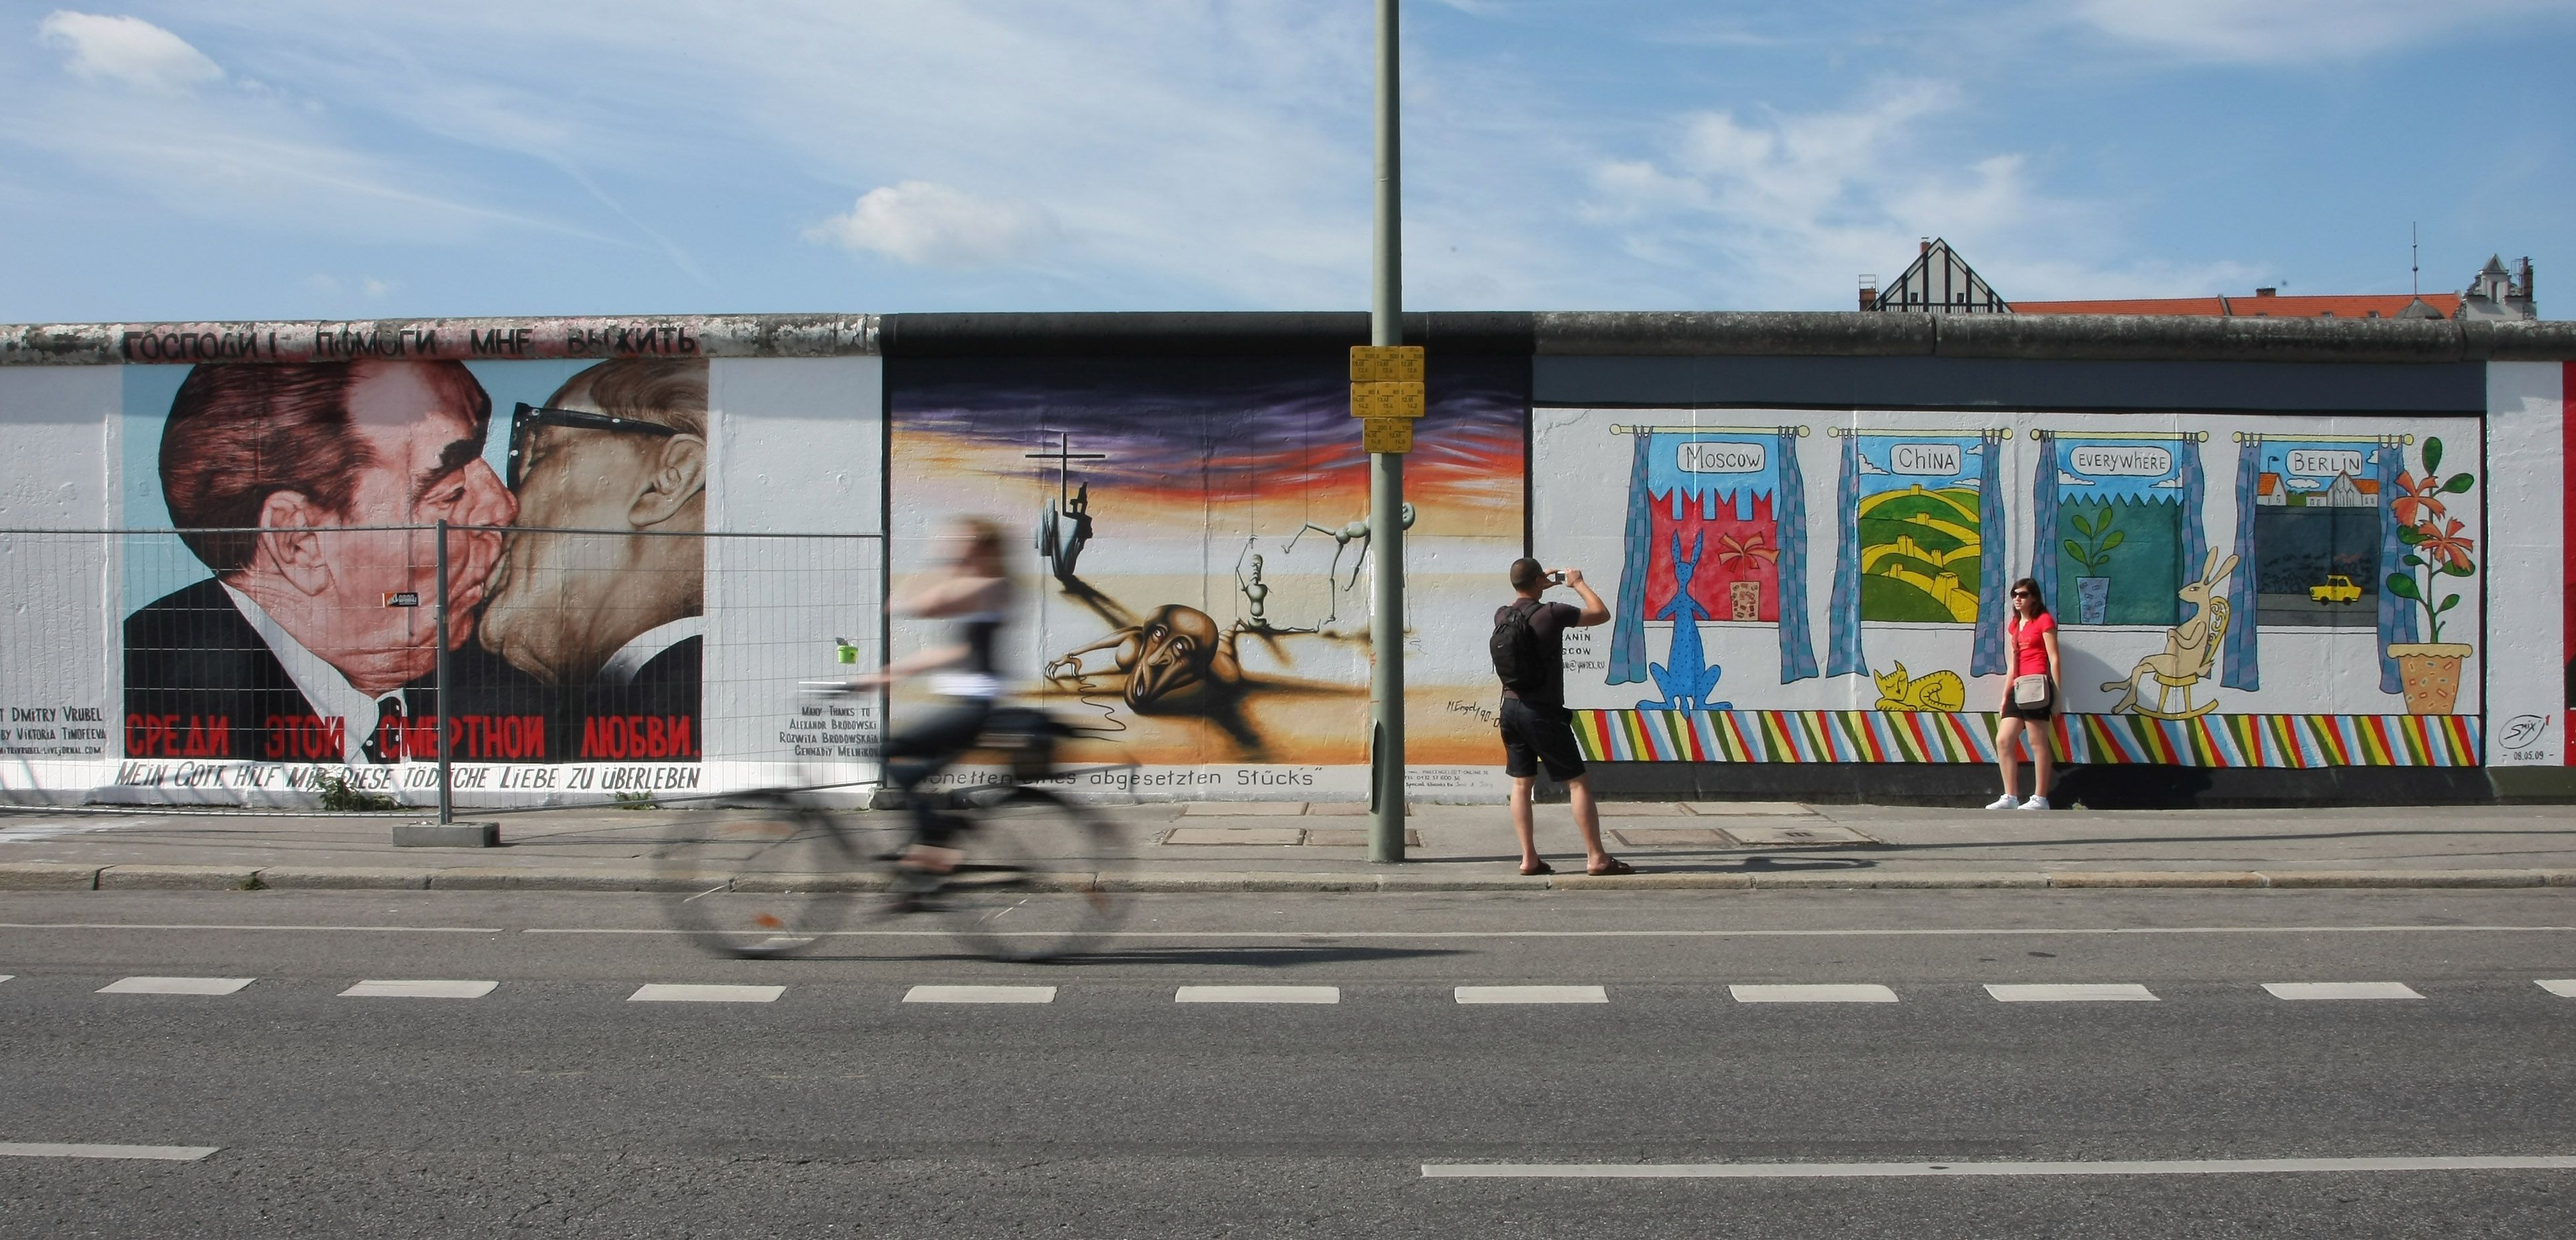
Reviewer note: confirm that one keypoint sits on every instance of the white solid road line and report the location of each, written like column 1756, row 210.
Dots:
column 1838, row 993
column 1890, row 932
column 980, row 994
column 418, row 990
column 175, row 985
column 2078, row 992
column 1257, row 994
column 2564, row 988
column 668, row 992
column 50, row 1149
column 1530, row 994
column 123, row 925
column 2195, row 1166
column 2341, row 990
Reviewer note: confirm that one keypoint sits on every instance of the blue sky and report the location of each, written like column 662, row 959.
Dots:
column 316, row 158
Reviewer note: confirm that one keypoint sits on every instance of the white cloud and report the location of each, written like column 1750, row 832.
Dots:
column 1790, row 207
column 128, row 50
column 2166, row 484
column 2066, row 479
column 1868, row 466
column 932, row 225
column 2268, row 31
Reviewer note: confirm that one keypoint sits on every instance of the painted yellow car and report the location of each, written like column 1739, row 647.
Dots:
column 2337, row 589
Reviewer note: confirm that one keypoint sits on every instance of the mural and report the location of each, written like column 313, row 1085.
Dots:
column 2347, row 548
column 297, row 628
column 2116, row 525
column 1209, row 609
column 1920, row 539
column 1740, row 499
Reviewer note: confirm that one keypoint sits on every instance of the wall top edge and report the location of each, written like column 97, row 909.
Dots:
column 1555, row 333
column 467, row 340
column 2051, row 337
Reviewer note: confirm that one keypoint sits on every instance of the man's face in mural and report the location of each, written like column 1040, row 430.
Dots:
column 565, row 602
column 328, row 588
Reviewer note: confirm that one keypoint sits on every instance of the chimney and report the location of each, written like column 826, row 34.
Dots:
column 1927, row 246
column 1869, row 292
column 2267, row 292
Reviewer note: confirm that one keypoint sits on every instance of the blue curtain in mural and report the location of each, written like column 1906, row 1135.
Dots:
column 2043, row 520
column 2241, row 665
column 1628, row 629
column 1843, row 655
column 1992, row 576
column 2396, row 615
column 2195, row 495
column 1797, row 644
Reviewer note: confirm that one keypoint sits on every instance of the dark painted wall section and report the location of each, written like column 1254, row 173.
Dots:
column 1942, row 382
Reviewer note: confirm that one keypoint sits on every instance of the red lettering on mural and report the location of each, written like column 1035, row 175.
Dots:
column 167, row 736
column 305, row 738
column 638, row 736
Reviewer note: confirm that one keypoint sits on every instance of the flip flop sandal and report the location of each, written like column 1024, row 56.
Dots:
column 1615, row 867
column 1536, row 870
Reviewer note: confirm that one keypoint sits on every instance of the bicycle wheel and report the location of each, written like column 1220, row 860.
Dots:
column 1029, row 888
column 763, row 880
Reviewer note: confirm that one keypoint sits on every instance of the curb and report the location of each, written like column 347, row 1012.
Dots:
column 54, row 876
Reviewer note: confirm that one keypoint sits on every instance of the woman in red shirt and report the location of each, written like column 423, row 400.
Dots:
column 2027, row 709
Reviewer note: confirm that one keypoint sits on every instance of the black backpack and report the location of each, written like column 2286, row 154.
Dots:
column 1518, row 658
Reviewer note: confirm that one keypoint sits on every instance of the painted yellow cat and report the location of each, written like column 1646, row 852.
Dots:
column 1940, row 691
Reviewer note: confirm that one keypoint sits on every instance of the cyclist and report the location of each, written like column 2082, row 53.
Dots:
column 972, row 593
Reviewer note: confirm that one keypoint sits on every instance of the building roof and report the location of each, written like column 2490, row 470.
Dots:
column 2259, row 306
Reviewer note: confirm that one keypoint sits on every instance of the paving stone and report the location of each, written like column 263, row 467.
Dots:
column 1242, row 837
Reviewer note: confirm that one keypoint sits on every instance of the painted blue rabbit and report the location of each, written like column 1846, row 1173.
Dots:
column 1685, row 674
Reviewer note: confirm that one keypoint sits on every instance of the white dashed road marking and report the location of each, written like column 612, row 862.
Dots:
column 2079, row 992
column 980, row 994
column 2341, row 990
column 1837, row 993
column 175, row 985
column 2564, row 988
column 1764, row 1171
column 419, row 990
column 1257, row 994
column 1530, row 994
column 49, row 1149
column 667, row 992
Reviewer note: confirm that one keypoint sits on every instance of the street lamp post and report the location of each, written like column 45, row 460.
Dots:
column 1386, row 481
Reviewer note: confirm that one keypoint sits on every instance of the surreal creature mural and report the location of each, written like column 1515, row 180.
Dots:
column 1202, row 545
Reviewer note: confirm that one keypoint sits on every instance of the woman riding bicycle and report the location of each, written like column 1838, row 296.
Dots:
column 972, row 593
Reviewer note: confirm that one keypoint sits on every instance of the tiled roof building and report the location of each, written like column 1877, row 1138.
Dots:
column 1941, row 282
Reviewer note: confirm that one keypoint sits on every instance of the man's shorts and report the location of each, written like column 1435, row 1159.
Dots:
column 1536, row 736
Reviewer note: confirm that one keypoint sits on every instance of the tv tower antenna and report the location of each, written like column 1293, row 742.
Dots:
column 2414, row 258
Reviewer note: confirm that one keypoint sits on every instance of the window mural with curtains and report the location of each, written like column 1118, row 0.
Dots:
column 2271, row 606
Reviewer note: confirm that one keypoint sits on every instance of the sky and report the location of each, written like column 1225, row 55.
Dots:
column 179, row 160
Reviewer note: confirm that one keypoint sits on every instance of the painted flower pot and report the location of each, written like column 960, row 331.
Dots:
column 1746, row 599
column 2092, row 599
column 2430, row 674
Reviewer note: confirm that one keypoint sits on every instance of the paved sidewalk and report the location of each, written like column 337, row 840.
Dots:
column 1235, row 846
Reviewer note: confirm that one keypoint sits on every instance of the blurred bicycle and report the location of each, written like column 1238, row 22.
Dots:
column 785, row 869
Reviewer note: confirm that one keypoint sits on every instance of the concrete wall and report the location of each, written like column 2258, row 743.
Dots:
column 1199, row 443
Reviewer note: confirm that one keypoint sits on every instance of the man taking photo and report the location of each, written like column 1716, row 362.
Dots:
column 1529, row 656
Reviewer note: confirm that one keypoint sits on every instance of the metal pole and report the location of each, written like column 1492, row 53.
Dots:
column 1386, row 482
column 446, row 791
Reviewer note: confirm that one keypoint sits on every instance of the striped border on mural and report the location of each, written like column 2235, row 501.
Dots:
column 1926, row 736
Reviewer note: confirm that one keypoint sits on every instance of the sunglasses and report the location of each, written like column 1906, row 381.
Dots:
column 526, row 417
column 2024, row 594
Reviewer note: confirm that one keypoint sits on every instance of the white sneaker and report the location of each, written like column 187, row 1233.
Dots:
column 2035, row 803
column 2007, row 801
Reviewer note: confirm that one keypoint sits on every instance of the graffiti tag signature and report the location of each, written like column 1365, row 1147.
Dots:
column 2523, row 730
column 1482, row 712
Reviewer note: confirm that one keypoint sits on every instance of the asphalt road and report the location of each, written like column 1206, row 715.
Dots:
column 558, row 1105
